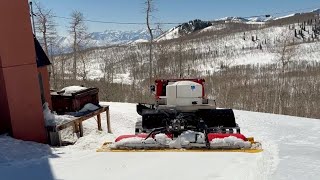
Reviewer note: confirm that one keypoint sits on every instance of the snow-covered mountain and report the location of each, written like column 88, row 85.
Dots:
column 117, row 37
column 109, row 37
column 244, row 20
column 197, row 24
column 113, row 37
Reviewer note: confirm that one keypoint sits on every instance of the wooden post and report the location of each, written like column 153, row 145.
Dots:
column 99, row 122
column 81, row 128
column 54, row 137
column 108, row 120
column 76, row 127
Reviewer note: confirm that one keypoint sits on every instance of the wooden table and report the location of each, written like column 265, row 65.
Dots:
column 53, row 131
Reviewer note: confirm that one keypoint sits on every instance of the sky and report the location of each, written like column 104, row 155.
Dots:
column 168, row 11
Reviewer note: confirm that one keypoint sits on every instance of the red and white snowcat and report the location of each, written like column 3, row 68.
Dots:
column 182, row 118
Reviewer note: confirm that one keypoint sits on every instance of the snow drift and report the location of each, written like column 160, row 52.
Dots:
column 291, row 151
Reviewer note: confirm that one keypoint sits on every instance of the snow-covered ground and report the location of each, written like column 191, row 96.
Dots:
column 291, row 151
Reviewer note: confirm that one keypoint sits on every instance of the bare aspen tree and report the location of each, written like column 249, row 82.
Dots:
column 150, row 9
column 83, row 57
column 104, row 64
column 108, row 59
column 180, row 50
column 285, row 50
column 78, row 32
column 163, row 59
column 63, row 62
column 58, row 69
column 46, row 26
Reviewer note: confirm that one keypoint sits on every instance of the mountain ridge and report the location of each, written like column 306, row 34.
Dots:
column 120, row 37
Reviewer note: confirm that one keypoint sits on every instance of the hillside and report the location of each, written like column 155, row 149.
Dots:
column 117, row 37
column 291, row 151
column 210, row 45
column 267, row 67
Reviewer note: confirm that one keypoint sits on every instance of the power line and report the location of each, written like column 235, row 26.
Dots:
column 283, row 12
column 175, row 23
column 114, row 22
column 294, row 10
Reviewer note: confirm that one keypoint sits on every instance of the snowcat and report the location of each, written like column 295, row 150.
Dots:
column 182, row 118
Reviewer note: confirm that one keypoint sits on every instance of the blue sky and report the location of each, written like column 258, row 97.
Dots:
column 169, row 10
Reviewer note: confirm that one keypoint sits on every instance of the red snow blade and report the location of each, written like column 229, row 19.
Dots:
column 142, row 135
column 130, row 136
column 212, row 136
column 106, row 148
column 188, row 141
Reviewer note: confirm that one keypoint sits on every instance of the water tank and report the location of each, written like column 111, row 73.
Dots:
column 184, row 93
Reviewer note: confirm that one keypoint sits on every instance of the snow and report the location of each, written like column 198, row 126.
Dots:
column 141, row 41
column 161, row 140
column 316, row 11
column 72, row 89
column 123, row 78
column 170, row 34
column 286, row 16
column 291, row 151
column 229, row 142
column 215, row 27
column 89, row 107
column 186, row 138
column 52, row 119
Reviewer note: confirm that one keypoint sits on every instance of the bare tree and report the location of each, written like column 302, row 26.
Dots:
column 180, row 50
column 45, row 25
column 285, row 51
column 83, row 57
column 150, row 9
column 78, row 31
column 108, row 59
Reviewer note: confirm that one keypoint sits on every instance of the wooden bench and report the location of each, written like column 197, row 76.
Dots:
column 54, row 134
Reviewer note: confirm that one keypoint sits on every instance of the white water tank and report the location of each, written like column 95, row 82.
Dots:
column 184, row 93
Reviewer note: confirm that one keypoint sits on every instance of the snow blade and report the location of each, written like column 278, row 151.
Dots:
column 189, row 141
column 106, row 148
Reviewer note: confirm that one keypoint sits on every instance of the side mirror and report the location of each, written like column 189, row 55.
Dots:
column 152, row 88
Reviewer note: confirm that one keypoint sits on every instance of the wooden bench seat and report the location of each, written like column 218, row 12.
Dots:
column 54, row 134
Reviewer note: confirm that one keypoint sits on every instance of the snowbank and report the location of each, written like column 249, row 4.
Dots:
column 52, row 119
column 291, row 151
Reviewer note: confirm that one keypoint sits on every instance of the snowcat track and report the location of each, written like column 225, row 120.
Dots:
column 105, row 148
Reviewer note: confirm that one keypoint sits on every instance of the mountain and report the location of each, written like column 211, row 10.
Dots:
column 184, row 29
column 108, row 37
column 197, row 24
column 116, row 37
column 111, row 37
